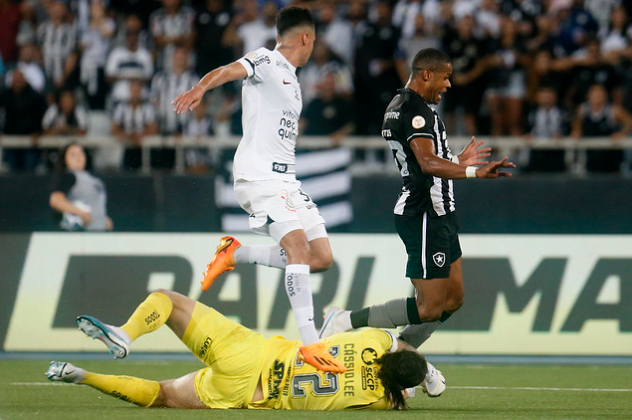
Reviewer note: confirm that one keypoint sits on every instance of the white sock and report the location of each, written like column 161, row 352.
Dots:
column 268, row 255
column 299, row 292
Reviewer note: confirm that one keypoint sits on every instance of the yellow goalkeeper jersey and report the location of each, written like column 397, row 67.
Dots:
column 289, row 383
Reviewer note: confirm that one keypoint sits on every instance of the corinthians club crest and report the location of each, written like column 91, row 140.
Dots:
column 439, row 259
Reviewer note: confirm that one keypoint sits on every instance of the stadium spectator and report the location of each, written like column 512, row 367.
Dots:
column 601, row 10
column 506, row 91
column 407, row 12
column 57, row 39
column 615, row 36
column 592, row 68
column 30, row 68
column 80, row 197
column 376, row 77
column 328, row 113
column 171, row 26
column 255, row 34
column 65, row 117
column 211, row 24
column 244, row 369
column 335, row 31
column 547, row 122
column 132, row 121
column 23, row 111
column 575, row 24
column 200, row 127
column 469, row 64
column 168, row 84
column 424, row 36
column 321, row 64
column 9, row 28
column 95, row 46
column 128, row 62
column 597, row 117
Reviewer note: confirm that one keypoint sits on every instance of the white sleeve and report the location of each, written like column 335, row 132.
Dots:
column 49, row 117
column 394, row 346
column 257, row 63
column 111, row 67
column 82, row 119
column 118, row 114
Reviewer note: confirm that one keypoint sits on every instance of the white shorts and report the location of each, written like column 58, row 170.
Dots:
column 277, row 207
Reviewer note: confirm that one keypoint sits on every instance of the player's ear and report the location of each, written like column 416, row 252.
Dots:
column 426, row 75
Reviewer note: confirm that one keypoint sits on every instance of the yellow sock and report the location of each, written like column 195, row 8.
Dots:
column 127, row 388
column 149, row 316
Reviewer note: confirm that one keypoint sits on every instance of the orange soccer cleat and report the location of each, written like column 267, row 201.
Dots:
column 222, row 260
column 316, row 354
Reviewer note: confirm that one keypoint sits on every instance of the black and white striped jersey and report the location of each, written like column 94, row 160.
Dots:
column 134, row 119
column 164, row 87
column 408, row 117
column 57, row 42
column 170, row 26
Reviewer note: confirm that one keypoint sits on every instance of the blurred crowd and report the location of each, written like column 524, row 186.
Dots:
column 543, row 69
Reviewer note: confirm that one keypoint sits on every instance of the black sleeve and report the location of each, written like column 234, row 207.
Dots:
column 418, row 122
column 65, row 183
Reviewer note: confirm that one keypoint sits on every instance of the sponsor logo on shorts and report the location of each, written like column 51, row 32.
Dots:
column 289, row 205
column 205, row 346
column 276, row 376
column 439, row 259
column 369, row 355
column 279, row 167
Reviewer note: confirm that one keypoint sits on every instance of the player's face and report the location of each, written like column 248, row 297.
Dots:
column 439, row 83
column 75, row 158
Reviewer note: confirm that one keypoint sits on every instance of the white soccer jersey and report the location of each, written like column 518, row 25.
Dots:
column 271, row 100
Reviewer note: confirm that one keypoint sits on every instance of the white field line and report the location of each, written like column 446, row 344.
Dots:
column 533, row 388
column 491, row 388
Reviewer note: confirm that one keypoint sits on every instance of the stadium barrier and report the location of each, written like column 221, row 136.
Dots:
column 525, row 294
column 110, row 149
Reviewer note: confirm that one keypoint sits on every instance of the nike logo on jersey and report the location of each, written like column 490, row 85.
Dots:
column 285, row 82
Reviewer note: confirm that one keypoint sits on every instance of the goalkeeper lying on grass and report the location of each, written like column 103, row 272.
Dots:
column 246, row 370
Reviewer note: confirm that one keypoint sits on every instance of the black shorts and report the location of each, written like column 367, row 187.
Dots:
column 432, row 244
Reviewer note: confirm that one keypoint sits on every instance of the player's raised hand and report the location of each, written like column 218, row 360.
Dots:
column 492, row 169
column 188, row 100
column 472, row 154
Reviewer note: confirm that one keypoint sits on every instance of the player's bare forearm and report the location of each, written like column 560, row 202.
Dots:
column 431, row 164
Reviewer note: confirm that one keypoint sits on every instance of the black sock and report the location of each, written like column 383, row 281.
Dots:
column 360, row 318
column 412, row 312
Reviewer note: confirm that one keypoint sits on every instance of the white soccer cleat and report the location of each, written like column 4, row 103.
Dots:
column 115, row 339
column 64, row 372
column 331, row 325
column 434, row 383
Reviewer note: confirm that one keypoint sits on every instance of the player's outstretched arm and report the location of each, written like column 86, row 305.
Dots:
column 432, row 164
column 190, row 99
column 492, row 169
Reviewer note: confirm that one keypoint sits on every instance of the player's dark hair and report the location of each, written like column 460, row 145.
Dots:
column 398, row 371
column 60, row 163
column 429, row 59
column 293, row 17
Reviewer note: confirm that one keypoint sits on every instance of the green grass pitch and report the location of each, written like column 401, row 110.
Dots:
column 474, row 392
